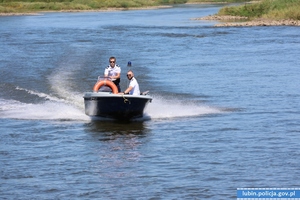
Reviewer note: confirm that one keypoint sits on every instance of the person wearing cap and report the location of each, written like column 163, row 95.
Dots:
column 133, row 87
column 113, row 71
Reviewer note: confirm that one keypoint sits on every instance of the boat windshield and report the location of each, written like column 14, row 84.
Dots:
column 102, row 78
column 104, row 88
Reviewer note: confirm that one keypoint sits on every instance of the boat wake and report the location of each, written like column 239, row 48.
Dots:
column 64, row 102
column 162, row 108
column 55, row 108
column 49, row 108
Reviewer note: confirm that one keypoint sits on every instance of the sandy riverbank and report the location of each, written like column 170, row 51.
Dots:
column 242, row 21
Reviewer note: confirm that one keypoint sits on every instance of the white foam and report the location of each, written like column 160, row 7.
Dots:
column 62, row 104
column 62, row 84
column 163, row 108
column 40, row 94
column 49, row 110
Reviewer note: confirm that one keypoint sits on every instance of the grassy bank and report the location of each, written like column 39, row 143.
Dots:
column 25, row 6
column 60, row 5
column 267, row 9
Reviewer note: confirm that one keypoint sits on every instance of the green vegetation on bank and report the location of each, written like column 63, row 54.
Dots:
column 268, row 9
column 57, row 5
column 216, row 1
column 24, row 6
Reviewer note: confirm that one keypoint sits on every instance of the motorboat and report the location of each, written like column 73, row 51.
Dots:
column 105, row 101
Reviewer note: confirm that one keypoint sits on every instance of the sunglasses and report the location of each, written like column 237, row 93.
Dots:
column 112, row 61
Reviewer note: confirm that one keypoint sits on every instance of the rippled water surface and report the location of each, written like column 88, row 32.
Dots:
column 225, row 112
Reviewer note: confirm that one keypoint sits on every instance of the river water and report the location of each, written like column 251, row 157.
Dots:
column 225, row 112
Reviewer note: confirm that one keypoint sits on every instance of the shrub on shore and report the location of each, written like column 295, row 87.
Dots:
column 271, row 9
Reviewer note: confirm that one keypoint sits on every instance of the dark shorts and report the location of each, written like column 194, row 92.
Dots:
column 117, row 83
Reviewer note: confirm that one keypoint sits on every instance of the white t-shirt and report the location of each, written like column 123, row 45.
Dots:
column 112, row 71
column 135, row 87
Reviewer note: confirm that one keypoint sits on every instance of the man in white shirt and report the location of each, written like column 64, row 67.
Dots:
column 113, row 71
column 133, row 88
